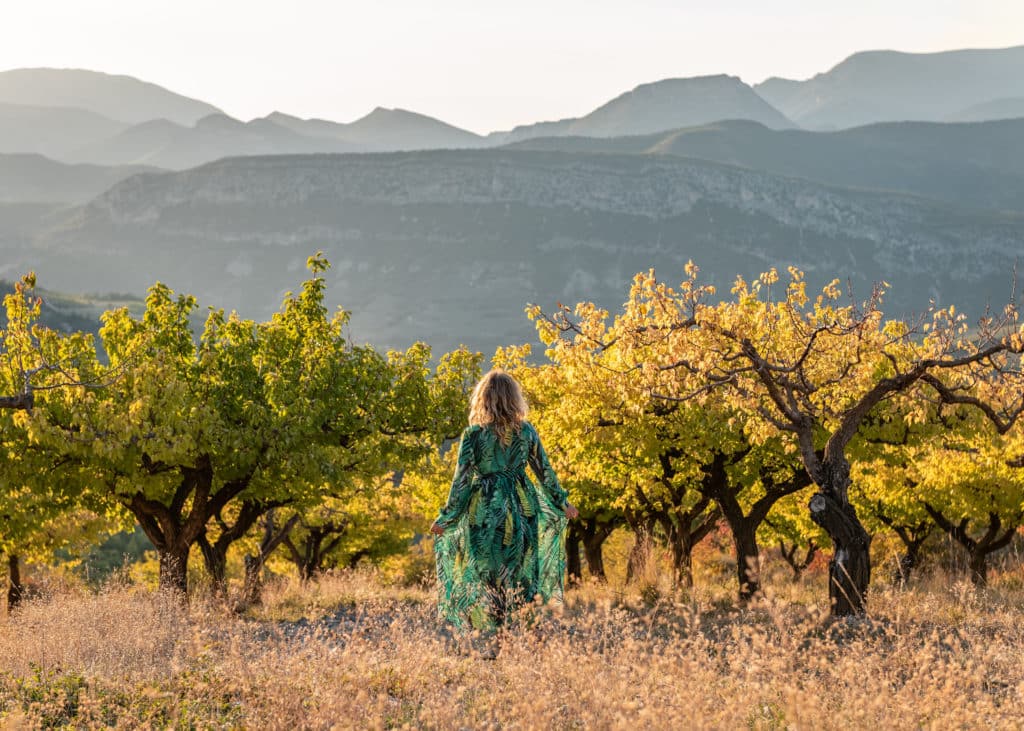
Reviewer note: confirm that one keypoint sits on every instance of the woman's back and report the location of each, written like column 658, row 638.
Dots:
column 502, row 533
column 491, row 454
column 500, row 541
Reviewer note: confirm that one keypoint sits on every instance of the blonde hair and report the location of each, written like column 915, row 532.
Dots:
column 498, row 401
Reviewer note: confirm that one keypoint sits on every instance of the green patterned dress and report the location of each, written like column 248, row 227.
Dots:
column 504, row 539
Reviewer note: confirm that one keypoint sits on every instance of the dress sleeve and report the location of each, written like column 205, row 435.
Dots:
column 545, row 473
column 462, row 483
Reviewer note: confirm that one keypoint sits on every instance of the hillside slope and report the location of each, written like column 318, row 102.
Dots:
column 449, row 246
column 979, row 164
column 34, row 178
column 164, row 144
column 52, row 131
column 1012, row 108
column 122, row 98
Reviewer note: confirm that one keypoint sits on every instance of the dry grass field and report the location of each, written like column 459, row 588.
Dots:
column 351, row 652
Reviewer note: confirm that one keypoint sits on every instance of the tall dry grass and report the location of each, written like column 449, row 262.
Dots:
column 351, row 653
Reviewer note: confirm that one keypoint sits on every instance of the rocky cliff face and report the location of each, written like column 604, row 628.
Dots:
column 449, row 246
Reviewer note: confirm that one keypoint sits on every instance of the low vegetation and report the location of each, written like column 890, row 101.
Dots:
column 351, row 652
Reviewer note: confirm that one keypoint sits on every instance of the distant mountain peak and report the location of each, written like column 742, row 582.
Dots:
column 376, row 113
column 403, row 129
column 667, row 104
column 397, row 113
column 381, row 129
column 117, row 96
column 153, row 125
column 219, row 120
column 891, row 86
column 691, row 81
column 683, row 85
column 277, row 116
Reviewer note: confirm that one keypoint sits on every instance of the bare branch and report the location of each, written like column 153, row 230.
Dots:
column 1002, row 423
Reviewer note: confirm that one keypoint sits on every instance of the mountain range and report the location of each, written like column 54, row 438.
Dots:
column 384, row 129
column 977, row 164
column 165, row 144
column 79, row 116
column 448, row 245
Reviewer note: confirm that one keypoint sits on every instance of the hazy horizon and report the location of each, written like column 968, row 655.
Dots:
column 482, row 69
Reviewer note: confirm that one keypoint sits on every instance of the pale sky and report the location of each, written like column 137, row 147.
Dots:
column 477, row 64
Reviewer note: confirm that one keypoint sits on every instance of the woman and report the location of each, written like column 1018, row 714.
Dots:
column 501, row 538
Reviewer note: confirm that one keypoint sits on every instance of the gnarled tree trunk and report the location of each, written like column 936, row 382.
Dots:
column 978, row 566
column 595, row 558
column 743, row 526
column 215, row 555
column 681, row 546
column 573, row 563
column 171, row 531
column 273, row 536
column 174, row 568
column 910, row 559
column 849, row 570
column 748, row 561
column 913, row 537
column 685, row 529
column 978, row 550
column 14, row 588
column 642, row 548
column 311, row 552
column 797, row 565
column 252, row 583
column 594, row 533
column 216, row 562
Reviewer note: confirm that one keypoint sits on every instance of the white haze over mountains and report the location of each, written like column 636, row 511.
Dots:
column 481, row 66
column 903, row 167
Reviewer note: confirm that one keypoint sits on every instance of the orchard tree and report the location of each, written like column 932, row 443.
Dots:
column 410, row 408
column 549, row 392
column 317, row 533
column 272, row 533
column 306, row 391
column 790, row 529
column 44, row 504
column 698, row 460
column 196, row 430
column 968, row 483
column 746, row 485
column 884, row 480
column 813, row 370
column 44, row 507
column 617, row 454
column 940, row 467
column 372, row 522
